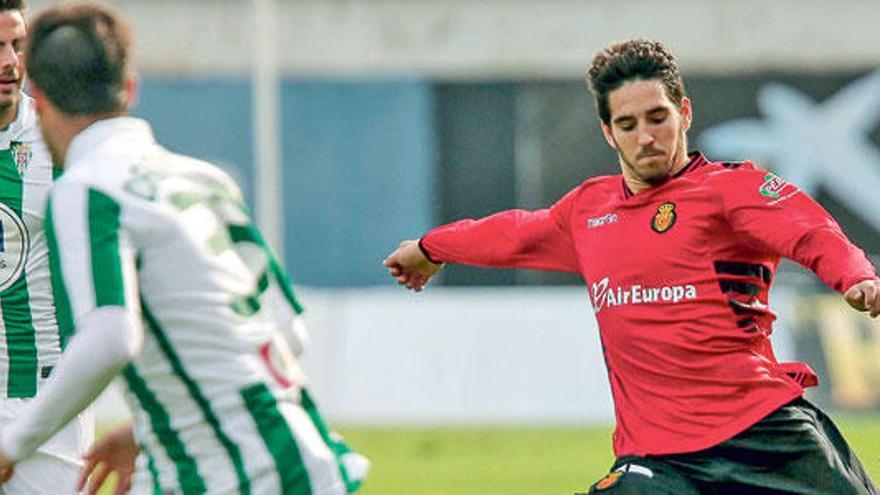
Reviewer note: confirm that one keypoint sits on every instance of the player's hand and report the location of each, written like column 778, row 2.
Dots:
column 409, row 265
column 115, row 452
column 865, row 296
column 7, row 468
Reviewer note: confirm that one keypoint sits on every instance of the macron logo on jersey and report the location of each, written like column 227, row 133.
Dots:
column 603, row 220
column 606, row 297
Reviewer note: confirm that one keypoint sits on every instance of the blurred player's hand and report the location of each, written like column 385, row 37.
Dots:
column 865, row 296
column 409, row 265
column 115, row 452
column 6, row 468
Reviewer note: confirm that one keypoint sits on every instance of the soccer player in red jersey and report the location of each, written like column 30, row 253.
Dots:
column 679, row 253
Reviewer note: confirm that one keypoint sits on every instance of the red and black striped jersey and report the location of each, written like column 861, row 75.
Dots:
column 679, row 276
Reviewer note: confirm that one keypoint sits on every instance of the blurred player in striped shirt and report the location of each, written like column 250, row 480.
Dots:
column 159, row 270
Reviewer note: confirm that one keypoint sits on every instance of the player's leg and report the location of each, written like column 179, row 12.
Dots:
column 642, row 476
column 54, row 468
column 850, row 467
column 796, row 449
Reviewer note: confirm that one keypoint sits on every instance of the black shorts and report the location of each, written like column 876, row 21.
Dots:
column 797, row 449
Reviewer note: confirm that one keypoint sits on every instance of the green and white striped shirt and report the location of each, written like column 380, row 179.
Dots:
column 167, row 237
column 31, row 344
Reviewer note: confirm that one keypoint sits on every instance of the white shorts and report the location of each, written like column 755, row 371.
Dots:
column 54, row 468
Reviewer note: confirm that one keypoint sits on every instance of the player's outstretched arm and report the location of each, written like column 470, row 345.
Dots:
column 409, row 265
column 865, row 296
column 115, row 452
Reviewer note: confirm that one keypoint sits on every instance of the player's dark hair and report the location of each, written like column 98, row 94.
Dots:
column 77, row 55
column 12, row 5
column 633, row 59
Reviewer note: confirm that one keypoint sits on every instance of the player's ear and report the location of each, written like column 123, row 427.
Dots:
column 131, row 87
column 687, row 113
column 606, row 131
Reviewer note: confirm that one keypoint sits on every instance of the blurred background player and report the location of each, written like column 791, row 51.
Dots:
column 167, row 282
column 32, row 342
column 679, row 254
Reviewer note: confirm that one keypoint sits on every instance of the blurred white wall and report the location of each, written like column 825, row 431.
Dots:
column 457, row 355
column 453, row 39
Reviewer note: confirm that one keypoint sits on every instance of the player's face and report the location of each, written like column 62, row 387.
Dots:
column 648, row 131
column 12, row 34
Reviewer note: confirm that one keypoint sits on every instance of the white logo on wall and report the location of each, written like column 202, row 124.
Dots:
column 810, row 143
column 606, row 297
column 13, row 247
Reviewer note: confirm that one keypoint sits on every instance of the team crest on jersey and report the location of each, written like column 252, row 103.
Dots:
column 664, row 219
column 609, row 480
column 21, row 155
column 772, row 186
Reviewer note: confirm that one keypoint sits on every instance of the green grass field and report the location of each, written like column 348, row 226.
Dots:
column 517, row 461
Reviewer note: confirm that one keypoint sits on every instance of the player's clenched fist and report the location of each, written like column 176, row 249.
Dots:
column 865, row 296
column 409, row 265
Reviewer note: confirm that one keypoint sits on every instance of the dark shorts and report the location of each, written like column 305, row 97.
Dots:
column 795, row 450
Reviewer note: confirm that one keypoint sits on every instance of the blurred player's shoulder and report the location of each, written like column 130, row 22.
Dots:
column 718, row 173
column 722, row 166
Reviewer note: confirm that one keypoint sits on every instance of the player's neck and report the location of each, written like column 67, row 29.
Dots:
column 636, row 184
column 67, row 129
column 72, row 126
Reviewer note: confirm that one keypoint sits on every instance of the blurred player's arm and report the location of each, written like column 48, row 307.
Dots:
column 97, row 276
column 789, row 222
column 106, row 340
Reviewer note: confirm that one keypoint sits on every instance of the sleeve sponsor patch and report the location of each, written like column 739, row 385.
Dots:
column 776, row 189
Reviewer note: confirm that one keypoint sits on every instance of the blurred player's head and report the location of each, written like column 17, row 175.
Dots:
column 78, row 60
column 644, row 112
column 12, row 33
